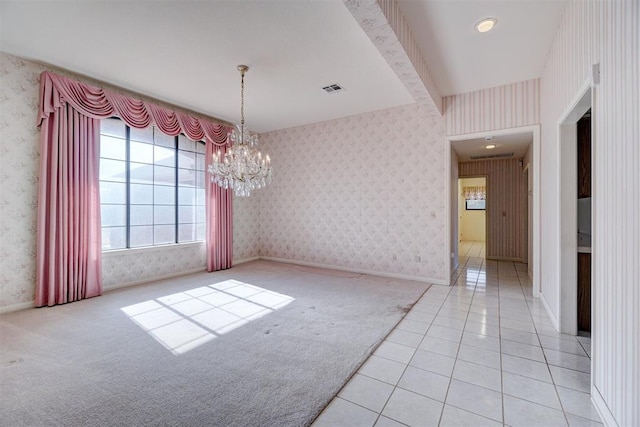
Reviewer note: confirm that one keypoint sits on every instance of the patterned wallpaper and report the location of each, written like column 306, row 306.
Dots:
column 19, row 162
column 506, row 230
column 357, row 192
column 501, row 107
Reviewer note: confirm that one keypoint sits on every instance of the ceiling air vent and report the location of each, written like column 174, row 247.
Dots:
column 333, row 88
column 491, row 156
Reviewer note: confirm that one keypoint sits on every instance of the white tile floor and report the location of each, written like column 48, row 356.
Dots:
column 481, row 352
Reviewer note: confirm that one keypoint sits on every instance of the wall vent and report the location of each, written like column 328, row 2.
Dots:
column 491, row 156
column 333, row 88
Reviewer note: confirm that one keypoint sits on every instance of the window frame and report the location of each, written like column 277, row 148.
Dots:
column 198, row 229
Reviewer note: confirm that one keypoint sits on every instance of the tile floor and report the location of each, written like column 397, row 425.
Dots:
column 479, row 353
column 470, row 249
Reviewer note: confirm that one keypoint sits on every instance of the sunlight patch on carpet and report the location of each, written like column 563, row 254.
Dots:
column 186, row 320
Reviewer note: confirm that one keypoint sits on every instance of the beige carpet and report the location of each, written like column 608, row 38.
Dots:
column 272, row 348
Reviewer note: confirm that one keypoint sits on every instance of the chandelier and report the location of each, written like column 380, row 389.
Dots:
column 242, row 167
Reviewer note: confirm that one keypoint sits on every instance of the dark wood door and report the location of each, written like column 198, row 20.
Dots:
column 584, row 156
column 584, row 292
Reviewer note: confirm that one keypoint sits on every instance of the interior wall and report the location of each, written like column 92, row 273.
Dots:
column 472, row 223
column 364, row 192
column 504, row 205
column 606, row 33
column 19, row 163
column 455, row 210
column 502, row 107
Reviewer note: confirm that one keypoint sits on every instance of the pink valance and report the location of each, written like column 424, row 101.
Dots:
column 98, row 103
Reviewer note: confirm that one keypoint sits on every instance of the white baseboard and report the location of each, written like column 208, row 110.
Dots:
column 21, row 306
column 242, row 261
column 16, row 307
column 552, row 317
column 601, row 406
column 358, row 270
column 153, row 279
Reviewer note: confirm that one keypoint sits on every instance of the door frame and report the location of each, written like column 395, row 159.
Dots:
column 535, row 159
column 567, row 273
column 486, row 209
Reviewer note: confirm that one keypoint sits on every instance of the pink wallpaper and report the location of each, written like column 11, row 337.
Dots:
column 501, row 107
column 364, row 192
column 605, row 32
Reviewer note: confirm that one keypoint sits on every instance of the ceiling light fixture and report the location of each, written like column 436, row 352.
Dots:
column 486, row 25
column 242, row 167
column 490, row 146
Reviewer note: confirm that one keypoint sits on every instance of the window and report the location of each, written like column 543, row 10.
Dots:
column 151, row 187
column 475, row 205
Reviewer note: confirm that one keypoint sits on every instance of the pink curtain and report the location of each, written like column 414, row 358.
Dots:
column 69, row 242
column 69, row 253
column 219, row 221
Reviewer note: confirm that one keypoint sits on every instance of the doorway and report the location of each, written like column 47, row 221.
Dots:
column 472, row 217
column 574, row 242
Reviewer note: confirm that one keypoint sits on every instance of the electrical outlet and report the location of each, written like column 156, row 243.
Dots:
column 394, row 257
column 416, row 258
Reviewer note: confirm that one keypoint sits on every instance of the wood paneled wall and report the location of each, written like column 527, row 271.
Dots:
column 505, row 206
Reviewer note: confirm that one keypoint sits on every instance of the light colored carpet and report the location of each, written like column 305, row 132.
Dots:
column 89, row 364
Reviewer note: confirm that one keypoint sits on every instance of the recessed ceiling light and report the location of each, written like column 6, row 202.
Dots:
column 490, row 146
column 486, row 24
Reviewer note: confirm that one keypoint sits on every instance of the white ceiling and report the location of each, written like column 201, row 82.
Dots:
column 516, row 144
column 186, row 52
column 462, row 60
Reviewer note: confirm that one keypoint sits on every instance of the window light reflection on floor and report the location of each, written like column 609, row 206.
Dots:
column 185, row 320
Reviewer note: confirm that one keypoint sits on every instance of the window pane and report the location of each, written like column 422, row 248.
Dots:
column 164, row 156
column 200, row 162
column 200, row 179
column 113, row 148
column 112, row 215
column 186, row 177
column 186, row 214
column 164, row 214
column 201, row 214
column 141, row 194
column 113, row 192
column 164, row 234
column 186, row 196
column 113, row 170
column 186, row 160
column 200, row 197
column 143, row 135
column 164, row 175
column 200, row 147
column 141, row 152
column 164, row 195
column 113, row 127
column 142, row 174
column 114, row 238
column 186, row 232
column 164, row 140
column 201, row 231
column 141, row 236
column 185, row 143
column 141, row 215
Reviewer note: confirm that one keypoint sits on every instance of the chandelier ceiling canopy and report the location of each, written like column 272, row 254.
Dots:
column 242, row 167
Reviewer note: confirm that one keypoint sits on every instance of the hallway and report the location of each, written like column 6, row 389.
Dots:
column 480, row 353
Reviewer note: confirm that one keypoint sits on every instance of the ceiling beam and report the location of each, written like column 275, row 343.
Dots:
column 388, row 30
